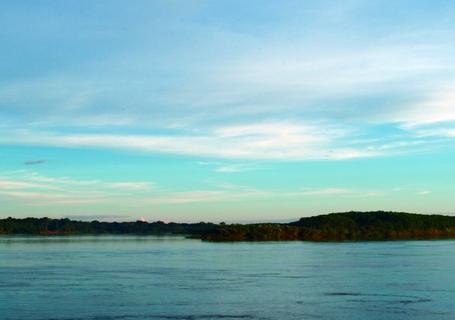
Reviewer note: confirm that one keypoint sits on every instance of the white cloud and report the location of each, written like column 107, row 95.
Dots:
column 188, row 197
column 332, row 192
column 32, row 195
column 204, row 196
column 130, row 185
column 326, row 191
column 69, row 191
column 8, row 184
column 333, row 72
column 12, row 184
column 34, row 176
column 437, row 107
column 38, row 189
column 234, row 168
column 270, row 140
column 45, row 198
column 235, row 193
column 313, row 83
column 434, row 131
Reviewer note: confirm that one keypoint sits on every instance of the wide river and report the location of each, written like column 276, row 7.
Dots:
column 137, row 277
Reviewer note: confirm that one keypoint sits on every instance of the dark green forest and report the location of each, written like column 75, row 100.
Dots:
column 47, row 226
column 347, row 226
column 378, row 225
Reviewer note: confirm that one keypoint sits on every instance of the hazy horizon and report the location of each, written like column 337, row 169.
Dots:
column 226, row 110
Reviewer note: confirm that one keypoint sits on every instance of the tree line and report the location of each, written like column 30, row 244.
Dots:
column 48, row 226
column 377, row 225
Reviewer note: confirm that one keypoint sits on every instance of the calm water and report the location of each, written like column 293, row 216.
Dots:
column 123, row 278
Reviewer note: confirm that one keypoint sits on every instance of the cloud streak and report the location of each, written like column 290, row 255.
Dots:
column 270, row 141
column 36, row 189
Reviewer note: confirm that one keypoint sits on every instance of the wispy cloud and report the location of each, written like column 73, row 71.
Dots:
column 325, row 191
column 33, row 189
column 130, row 185
column 438, row 106
column 279, row 141
column 7, row 184
column 192, row 197
column 52, row 198
column 59, row 180
column 238, row 167
column 230, row 192
column 14, row 184
column 295, row 98
column 38, row 189
column 333, row 192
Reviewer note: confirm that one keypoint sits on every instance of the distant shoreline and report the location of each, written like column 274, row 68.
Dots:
column 347, row 226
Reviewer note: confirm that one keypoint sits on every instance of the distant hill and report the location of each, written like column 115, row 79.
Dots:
column 377, row 225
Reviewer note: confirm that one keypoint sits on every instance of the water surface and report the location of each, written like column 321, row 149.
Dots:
column 137, row 277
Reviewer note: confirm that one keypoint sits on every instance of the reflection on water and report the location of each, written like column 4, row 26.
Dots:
column 142, row 277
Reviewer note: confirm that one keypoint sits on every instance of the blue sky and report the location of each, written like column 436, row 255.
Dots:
column 225, row 110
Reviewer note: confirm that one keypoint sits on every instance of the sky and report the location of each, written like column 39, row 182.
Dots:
column 229, row 111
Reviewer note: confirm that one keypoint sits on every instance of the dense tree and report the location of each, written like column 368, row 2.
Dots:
column 378, row 225
column 46, row 226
